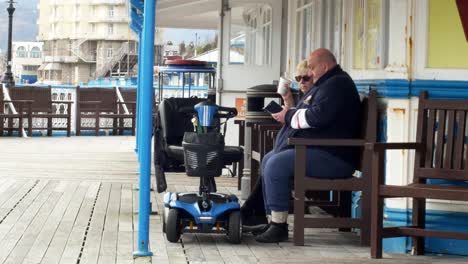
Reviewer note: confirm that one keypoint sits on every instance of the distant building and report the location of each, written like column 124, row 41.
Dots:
column 85, row 40
column 26, row 60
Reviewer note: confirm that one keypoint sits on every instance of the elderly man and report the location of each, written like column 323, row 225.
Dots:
column 330, row 109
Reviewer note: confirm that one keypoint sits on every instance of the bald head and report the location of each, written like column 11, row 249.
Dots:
column 320, row 62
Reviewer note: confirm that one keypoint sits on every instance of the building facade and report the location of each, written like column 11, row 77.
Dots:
column 26, row 60
column 85, row 40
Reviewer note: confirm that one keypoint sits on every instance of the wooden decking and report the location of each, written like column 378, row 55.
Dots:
column 75, row 200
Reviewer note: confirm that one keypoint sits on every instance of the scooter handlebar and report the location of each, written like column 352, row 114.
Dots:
column 226, row 112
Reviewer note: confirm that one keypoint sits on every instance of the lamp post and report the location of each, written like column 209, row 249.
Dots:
column 8, row 78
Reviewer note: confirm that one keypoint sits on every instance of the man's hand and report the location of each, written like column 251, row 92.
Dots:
column 280, row 115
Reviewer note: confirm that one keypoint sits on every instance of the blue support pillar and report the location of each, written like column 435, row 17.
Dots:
column 145, row 111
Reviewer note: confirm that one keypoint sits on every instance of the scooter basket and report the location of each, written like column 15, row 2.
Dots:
column 203, row 154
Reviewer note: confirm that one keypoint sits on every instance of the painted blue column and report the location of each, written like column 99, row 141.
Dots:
column 146, row 102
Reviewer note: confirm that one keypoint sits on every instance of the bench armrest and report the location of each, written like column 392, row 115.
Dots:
column 89, row 102
column 61, row 102
column 19, row 101
column 326, row 142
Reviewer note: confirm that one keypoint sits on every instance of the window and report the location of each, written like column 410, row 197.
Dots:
column 93, row 28
column 336, row 28
column 308, row 24
column 251, row 32
column 110, row 11
column 35, row 52
column 21, row 52
column 30, row 67
column 110, row 29
column 368, row 30
column 109, row 53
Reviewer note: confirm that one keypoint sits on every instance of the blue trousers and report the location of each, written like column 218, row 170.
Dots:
column 277, row 171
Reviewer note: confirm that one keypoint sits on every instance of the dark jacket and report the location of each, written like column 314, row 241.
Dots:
column 330, row 109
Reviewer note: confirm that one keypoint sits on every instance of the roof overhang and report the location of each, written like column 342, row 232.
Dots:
column 196, row 14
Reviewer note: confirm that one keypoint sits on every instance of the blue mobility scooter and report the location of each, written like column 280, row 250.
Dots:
column 204, row 211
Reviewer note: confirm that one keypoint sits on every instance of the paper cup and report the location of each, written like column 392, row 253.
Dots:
column 283, row 86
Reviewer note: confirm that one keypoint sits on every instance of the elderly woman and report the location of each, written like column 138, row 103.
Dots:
column 253, row 210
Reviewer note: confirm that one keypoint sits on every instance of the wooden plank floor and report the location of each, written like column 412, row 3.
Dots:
column 75, row 200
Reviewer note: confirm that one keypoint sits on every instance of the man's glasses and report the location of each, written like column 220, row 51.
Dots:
column 305, row 78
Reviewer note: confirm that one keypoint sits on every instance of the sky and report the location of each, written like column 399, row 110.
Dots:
column 25, row 27
column 24, row 21
column 188, row 35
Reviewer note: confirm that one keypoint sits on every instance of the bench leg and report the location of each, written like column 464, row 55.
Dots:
column 20, row 126
column 30, row 128
column 345, row 207
column 2, row 127
column 49, row 126
column 115, row 124
column 377, row 228
column 97, row 125
column 298, row 232
column 365, row 218
column 10, row 126
column 69, row 125
column 419, row 220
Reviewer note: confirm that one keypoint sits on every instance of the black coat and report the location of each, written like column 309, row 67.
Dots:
column 330, row 109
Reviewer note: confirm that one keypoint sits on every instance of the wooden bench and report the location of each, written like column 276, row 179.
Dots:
column 260, row 147
column 441, row 153
column 98, row 104
column 302, row 183
column 39, row 105
column 8, row 116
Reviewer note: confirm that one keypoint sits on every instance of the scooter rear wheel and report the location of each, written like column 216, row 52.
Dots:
column 235, row 227
column 173, row 231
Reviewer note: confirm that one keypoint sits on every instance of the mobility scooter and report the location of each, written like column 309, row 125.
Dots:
column 205, row 211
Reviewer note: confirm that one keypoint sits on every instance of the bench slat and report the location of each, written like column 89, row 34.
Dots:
column 428, row 191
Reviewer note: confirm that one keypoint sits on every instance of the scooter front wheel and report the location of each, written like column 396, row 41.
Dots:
column 235, row 227
column 173, row 230
column 164, row 218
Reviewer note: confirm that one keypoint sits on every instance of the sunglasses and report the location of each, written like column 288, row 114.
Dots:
column 305, row 78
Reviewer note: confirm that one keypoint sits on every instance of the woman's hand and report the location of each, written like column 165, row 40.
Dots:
column 288, row 99
column 280, row 115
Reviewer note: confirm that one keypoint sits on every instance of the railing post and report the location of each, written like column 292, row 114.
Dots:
column 146, row 101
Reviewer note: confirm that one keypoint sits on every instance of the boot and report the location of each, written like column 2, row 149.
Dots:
column 256, row 229
column 274, row 234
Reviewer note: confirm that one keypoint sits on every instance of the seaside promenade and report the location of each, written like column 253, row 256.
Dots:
column 75, row 200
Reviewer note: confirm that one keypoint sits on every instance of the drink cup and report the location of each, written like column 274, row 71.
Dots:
column 283, row 86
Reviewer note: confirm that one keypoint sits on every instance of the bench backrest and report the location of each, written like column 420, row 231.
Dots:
column 369, row 116
column 41, row 97
column 442, row 131
column 106, row 96
column 129, row 95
